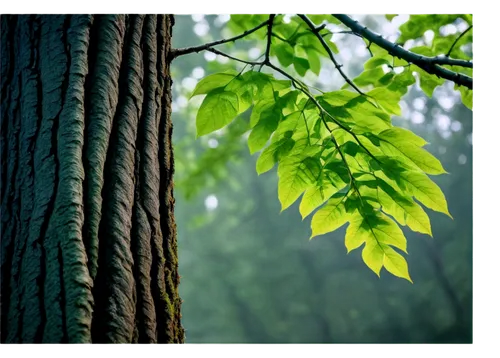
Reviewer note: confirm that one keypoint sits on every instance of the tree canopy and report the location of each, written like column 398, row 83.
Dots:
column 338, row 147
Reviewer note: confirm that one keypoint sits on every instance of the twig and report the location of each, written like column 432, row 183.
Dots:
column 428, row 64
column 186, row 50
column 315, row 30
column 457, row 39
column 347, row 33
column 253, row 63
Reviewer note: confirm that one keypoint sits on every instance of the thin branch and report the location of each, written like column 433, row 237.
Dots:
column 253, row 63
column 458, row 39
column 186, row 50
column 428, row 64
column 315, row 30
column 269, row 37
column 347, row 33
column 443, row 60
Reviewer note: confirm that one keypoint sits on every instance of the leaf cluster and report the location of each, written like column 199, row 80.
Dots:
column 338, row 151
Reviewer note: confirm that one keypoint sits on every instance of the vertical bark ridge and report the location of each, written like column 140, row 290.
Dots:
column 175, row 332
column 55, row 64
column 150, row 178
column 146, row 210
column 101, row 101
column 8, row 26
column 29, row 299
column 7, row 53
column 76, row 297
column 141, row 247
column 10, row 201
column 89, row 249
column 115, row 307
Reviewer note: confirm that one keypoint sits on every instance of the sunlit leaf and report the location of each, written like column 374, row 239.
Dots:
column 466, row 96
column 217, row 110
column 392, row 144
column 268, row 122
column 418, row 185
column 297, row 172
column 390, row 17
column 271, row 154
column 330, row 217
column 403, row 209
column 301, row 65
column 378, row 233
column 388, row 99
column 214, row 81
column 284, row 52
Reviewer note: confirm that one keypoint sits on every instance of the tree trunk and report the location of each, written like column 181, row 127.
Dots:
column 89, row 251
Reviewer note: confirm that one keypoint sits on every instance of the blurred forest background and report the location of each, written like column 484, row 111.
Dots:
column 250, row 274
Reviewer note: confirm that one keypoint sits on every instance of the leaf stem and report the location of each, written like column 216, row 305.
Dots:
column 456, row 40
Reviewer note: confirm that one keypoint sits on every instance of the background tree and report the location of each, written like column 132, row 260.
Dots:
column 103, row 267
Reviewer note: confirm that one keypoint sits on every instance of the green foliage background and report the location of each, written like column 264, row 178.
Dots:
column 249, row 273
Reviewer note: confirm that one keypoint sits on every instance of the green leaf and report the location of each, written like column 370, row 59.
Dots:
column 284, row 52
column 318, row 19
column 298, row 122
column 369, row 77
column 314, row 197
column 331, row 45
column 392, row 144
column 401, row 81
column 416, row 184
column 330, row 217
column 259, row 108
column 340, row 98
column 268, row 122
column 265, row 85
column 271, row 154
column 301, row 65
column 425, row 191
column 218, row 109
column 390, row 16
column 314, row 61
column 385, row 79
column 377, row 61
column 328, row 184
column 244, row 89
column 297, row 171
column 378, row 233
column 388, row 99
column 403, row 209
column 395, row 263
column 373, row 256
column 214, row 81
column 422, row 50
column 466, row 96
column 397, row 134
column 377, row 226
column 428, row 82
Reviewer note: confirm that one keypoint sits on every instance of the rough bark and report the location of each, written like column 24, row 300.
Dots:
column 88, row 245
